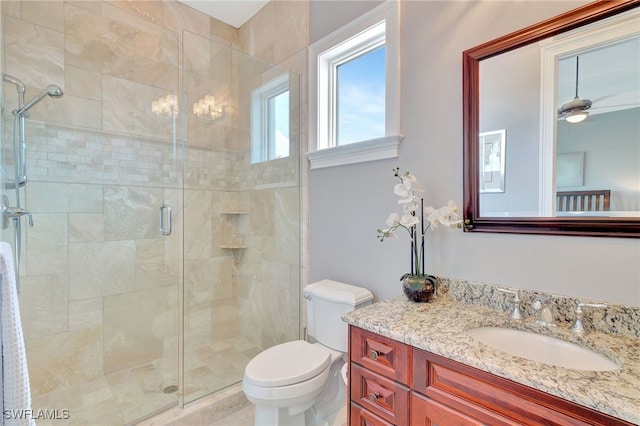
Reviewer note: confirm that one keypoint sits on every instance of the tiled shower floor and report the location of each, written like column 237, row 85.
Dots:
column 125, row 396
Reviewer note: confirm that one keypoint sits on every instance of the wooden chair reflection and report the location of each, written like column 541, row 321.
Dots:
column 587, row 201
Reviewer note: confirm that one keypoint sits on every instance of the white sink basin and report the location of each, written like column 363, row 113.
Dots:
column 544, row 349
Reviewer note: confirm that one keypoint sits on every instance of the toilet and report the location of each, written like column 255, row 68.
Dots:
column 301, row 383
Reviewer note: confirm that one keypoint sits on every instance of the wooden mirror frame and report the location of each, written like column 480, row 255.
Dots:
column 592, row 226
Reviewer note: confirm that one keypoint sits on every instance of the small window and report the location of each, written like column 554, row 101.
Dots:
column 270, row 120
column 354, row 91
column 360, row 95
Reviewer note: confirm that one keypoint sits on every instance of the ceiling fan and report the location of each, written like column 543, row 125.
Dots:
column 575, row 111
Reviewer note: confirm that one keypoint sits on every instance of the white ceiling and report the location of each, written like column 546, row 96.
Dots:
column 609, row 76
column 232, row 12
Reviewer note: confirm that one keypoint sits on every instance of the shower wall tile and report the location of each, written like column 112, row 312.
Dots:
column 177, row 17
column 131, row 212
column 198, row 222
column 141, row 15
column 46, row 244
column 47, row 14
column 126, row 105
column 291, row 29
column 224, row 33
column 262, row 209
column 85, row 227
column 148, row 10
column 150, row 251
column 208, row 280
column 90, row 6
column 65, row 359
column 85, row 313
column 135, row 325
column 101, row 269
column 197, row 53
column 275, row 273
column 82, row 83
column 54, row 197
column 95, row 42
column 46, row 296
column 33, row 53
column 154, row 275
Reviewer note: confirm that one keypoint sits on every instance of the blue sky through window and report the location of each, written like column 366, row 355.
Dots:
column 280, row 107
column 361, row 98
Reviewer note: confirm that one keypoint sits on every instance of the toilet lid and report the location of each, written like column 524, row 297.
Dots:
column 287, row 363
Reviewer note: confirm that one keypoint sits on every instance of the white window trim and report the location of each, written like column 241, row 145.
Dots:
column 321, row 154
column 260, row 125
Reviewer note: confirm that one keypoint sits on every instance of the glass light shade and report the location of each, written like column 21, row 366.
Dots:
column 576, row 116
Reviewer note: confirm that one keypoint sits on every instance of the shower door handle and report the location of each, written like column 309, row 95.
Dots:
column 165, row 225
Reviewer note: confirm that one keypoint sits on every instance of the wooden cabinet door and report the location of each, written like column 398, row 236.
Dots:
column 426, row 412
column 362, row 417
column 385, row 356
column 379, row 395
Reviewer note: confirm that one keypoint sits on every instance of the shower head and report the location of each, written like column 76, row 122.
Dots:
column 52, row 90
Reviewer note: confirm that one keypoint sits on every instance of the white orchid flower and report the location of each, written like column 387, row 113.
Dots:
column 393, row 220
column 409, row 220
column 448, row 215
column 401, row 190
column 431, row 215
column 410, row 207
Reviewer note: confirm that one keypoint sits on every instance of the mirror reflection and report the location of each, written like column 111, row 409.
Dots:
column 568, row 109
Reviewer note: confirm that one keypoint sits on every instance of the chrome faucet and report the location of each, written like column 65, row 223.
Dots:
column 544, row 317
column 577, row 326
column 516, row 314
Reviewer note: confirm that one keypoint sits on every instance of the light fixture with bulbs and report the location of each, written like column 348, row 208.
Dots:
column 206, row 109
column 576, row 116
column 166, row 107
column 575, row 111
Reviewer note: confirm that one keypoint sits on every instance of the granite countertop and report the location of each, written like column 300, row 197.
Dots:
column 439, row 327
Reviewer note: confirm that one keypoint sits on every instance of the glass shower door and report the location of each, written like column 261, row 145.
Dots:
column 241, row 212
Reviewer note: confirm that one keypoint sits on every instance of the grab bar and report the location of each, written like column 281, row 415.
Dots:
column 165, row 230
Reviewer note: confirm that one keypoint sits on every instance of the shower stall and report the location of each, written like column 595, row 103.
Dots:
column 151, row 192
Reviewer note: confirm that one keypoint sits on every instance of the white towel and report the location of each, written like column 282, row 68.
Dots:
column 15, row 391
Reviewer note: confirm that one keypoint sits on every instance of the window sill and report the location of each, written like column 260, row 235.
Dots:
column 358, row 152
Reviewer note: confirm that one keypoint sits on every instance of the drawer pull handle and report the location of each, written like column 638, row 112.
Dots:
column 373, row 397
column 373, row 354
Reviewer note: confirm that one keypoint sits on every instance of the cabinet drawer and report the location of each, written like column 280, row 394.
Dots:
column 379, row 395
column 456, row 384
column 361, row 417
column 425, row 411
column 380, row 354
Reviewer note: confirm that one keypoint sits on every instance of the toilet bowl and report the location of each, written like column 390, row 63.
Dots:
column 300, row 383
column 287, row 380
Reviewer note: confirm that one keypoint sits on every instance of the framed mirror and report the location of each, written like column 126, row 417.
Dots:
column 564, row 97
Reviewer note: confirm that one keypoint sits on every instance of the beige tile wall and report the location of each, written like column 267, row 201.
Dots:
column 100, row 286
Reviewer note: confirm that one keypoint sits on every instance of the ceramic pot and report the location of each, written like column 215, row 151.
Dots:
column 419, row 288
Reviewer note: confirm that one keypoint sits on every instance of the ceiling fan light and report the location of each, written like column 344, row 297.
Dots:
column 576, row 116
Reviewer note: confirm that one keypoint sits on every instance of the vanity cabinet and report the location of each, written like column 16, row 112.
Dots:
column 391, row 383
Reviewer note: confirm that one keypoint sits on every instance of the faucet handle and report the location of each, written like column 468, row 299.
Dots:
column 577, row 326
column 516, row 314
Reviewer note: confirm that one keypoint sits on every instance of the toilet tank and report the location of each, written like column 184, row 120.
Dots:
column 327, row 301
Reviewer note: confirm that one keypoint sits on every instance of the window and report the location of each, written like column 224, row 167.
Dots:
column 360, row 94
column 270, row 120
column 353, row 95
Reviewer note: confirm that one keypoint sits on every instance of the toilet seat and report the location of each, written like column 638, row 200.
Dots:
column 286, row 364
